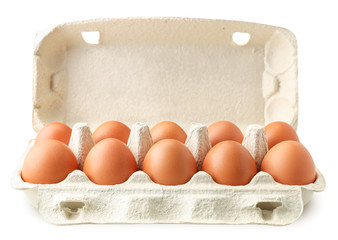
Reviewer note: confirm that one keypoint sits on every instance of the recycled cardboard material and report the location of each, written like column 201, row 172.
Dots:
column 151, row 70
column 146, row 70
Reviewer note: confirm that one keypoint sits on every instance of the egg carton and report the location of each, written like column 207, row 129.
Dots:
column 155, row 69
column 139, row 200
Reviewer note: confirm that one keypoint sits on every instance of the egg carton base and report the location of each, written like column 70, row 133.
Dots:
column 77, row 200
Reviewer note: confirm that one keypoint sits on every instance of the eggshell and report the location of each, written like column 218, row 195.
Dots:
column 289, row 162
column 55, row 130
column 230, row 163
column 167, row 130
column 47, row 162
column 169, row 162
column 278, row 131
column 223, row 131
column 112, row 129
column 109, row 162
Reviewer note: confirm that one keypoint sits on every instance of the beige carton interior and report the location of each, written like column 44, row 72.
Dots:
column 150, row 70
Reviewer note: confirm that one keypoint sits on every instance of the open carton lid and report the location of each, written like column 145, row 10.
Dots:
column 156, row 69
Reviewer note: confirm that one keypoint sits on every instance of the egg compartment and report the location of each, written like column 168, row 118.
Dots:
column 139, row 200
column 155, row 69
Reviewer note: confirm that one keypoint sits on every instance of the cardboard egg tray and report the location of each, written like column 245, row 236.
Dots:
column 146, row 70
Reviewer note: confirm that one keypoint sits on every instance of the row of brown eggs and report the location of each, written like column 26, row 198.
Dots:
column 169, row 161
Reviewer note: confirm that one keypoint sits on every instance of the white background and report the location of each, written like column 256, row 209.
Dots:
column 315, row 24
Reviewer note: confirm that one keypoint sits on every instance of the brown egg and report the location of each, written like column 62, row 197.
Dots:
column 223, row 131
column 112, row 129
column 56, row 130
column 289, row 162
column 169, row 162
column 47, row 162
column 167, row 130
column 109, row 162
column 230, row 163
column 277, row 132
